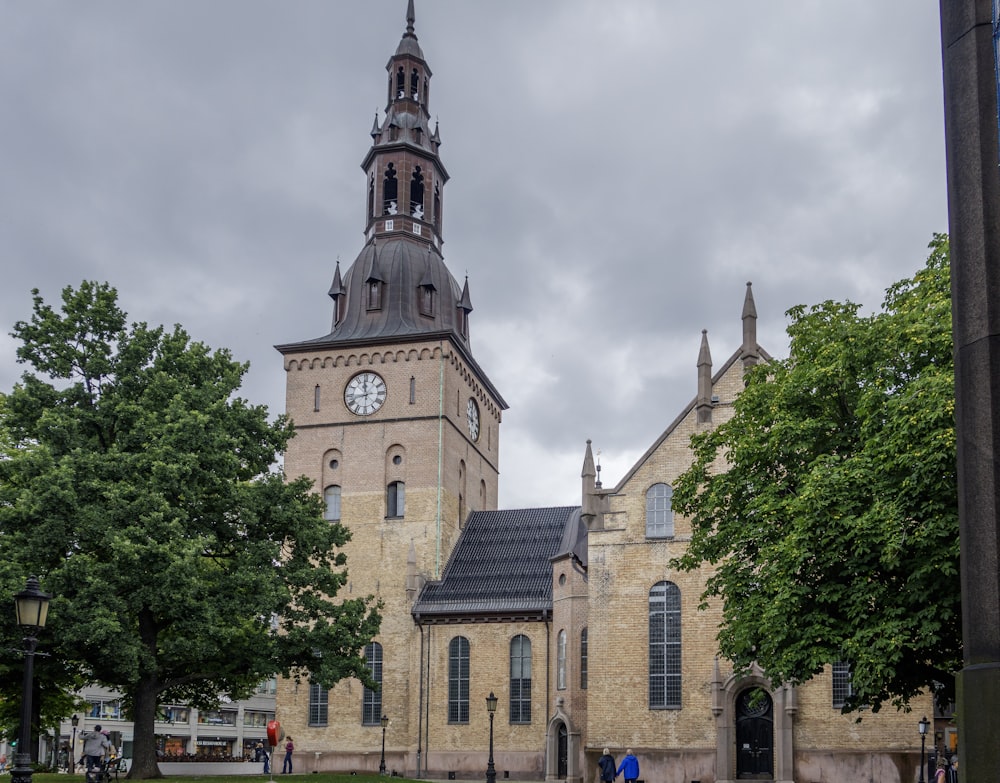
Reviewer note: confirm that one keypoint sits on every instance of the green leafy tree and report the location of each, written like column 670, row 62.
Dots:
column 142, row 492
column 826, row 508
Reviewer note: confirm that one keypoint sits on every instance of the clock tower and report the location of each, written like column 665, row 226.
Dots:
column 396, row 423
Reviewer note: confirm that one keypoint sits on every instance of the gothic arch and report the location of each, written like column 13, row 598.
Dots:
column 724, row 701
column 563, row 747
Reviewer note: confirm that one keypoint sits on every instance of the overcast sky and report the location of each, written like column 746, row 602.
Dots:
column 619, row 170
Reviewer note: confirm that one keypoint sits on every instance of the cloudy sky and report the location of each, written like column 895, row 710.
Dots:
column 619, row 170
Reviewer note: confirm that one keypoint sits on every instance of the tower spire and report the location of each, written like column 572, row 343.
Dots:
column 411, row 17
column 750, row 353
column 704, row 404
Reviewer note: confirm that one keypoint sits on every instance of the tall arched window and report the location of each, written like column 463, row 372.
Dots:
column 400, row 83
column 331, row 495
column 417, row 194
column 520, row 679
column 659, row 513
column 665, row 646
column 395, row 499
column 437, row 207
column 390, row 191
column 458, row 680
column 415, row 85
column 583, row 659
column 371, row 701
column 561, row 661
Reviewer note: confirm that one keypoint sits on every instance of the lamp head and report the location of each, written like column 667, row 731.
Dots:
column 32, row 605
column 924, row 723
column 491, row 703
column 75, row 720
column 385, row 721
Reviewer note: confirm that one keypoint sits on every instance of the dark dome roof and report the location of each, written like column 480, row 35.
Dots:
column 404, row 267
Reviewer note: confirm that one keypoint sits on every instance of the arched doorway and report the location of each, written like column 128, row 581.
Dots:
column 563, row 748
column 562, row 752
column 754, row 735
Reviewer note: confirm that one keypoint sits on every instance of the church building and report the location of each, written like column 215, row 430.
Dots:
column 567, row 621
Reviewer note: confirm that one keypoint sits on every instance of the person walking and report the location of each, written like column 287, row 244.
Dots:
column 286, row 765
column 629, row 767
column 96, row 746
column 607, row 766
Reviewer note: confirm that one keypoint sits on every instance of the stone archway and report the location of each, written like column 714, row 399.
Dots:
column 562, row 748
column 726, row 707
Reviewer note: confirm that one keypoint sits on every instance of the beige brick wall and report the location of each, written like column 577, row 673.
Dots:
column 423, row 421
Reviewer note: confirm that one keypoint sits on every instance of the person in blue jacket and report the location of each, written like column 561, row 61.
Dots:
column 629, row 767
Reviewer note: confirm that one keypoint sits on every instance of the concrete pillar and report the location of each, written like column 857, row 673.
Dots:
column 970, row 92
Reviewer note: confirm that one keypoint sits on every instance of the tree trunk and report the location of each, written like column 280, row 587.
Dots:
column 144, row 762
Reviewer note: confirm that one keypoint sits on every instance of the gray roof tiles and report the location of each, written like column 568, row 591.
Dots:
column 500, row 566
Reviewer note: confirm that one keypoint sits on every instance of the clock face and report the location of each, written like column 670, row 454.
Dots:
column 365, row 393
column 472, row 417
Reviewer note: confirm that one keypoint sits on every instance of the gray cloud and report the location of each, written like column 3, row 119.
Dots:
column 619, row 171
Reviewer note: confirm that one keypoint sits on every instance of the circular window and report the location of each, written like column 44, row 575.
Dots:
column 397, row 460
column 562, row 579
column 334, row 464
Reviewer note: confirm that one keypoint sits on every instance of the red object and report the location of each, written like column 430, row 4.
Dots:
column 275, row 733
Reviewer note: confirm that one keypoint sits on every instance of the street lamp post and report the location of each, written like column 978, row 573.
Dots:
column 381, row 764
column 922, row 725
column 75, row 720
column 32, row 607
column 491, row 707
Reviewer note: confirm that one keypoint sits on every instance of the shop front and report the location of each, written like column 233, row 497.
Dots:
column 214, row 749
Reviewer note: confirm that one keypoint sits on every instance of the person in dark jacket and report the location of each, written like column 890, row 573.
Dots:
column 607, row 765
column 629, row 767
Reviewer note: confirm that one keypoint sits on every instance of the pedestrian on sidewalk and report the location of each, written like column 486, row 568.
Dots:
column 607, row 766
column 629, row 767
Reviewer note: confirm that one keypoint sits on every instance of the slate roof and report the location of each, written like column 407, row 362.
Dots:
column 500, row 568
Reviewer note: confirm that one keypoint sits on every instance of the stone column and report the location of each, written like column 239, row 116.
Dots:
column 970, row 93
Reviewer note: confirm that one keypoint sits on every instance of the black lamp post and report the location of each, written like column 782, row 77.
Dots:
column 491, row 707
column 75, row 720
column 32, row 607
column 923, row 725
column 381, row 764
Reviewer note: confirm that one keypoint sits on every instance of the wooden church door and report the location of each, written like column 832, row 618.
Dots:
column 754, row 735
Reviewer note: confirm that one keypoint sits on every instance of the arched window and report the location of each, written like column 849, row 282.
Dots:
column 458, row 680
column 417, row 194
column 331, row 495
column 371, row 196
column 374, row 295
column 319, row 701
column 665, row 646
column 415, row 85
column 427, row 300
column 371, row 701
column 561, row 661
column 395, row 499
column 390, row 191
column 583, row 659
column 437, row 207
column 520, row 679
column 400, row 83
column 659, row 513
